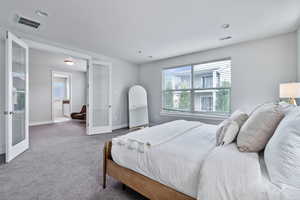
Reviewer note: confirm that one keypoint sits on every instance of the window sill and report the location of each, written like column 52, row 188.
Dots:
column 214, row 117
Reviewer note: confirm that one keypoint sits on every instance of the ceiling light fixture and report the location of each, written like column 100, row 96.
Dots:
column 69, row 61
column 139, row 51
column 226, row 38
column 225, row 26
column 41, row 13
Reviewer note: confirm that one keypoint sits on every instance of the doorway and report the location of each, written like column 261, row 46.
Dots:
column 61, row 96
column 18, row 106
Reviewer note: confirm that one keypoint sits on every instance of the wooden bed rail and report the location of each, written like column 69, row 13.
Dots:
column 106, row 157
column 138, row 182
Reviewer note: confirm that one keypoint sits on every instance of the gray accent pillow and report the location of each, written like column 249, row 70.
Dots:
column 228, row 129
column 259, row 128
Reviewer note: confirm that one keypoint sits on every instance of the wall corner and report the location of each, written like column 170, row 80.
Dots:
column 298, row 54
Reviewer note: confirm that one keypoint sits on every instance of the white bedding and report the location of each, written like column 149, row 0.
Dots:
column 157, row 135
column 272, row 191
column 176, row 163
column 233, row 175
column 190, row 163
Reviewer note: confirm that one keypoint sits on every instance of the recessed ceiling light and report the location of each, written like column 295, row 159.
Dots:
column 225, row 26
column 41, row 13
column 226, row 38
column 139, row 51
column 69, row 61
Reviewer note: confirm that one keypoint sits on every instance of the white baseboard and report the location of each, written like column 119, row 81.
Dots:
column 115, row 127
column 40, row 123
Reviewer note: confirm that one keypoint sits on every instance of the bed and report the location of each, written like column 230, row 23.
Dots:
column 170, row 169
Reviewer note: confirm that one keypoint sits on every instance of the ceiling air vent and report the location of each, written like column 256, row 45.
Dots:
column 28, row 22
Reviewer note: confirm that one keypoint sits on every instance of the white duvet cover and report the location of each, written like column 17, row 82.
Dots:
column 190, row 163
column 233, row 175
column 176, row 163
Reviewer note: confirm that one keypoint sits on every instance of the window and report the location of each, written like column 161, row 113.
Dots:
column 200, row 88
column 60, row 86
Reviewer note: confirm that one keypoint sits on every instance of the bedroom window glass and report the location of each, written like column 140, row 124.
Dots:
column 60, row 88
column 199, row 88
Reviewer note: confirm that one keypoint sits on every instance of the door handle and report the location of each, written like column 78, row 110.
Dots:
column 9, row 113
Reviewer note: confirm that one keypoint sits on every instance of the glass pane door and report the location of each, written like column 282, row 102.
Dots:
column 18, row 93
column 100, row 97
column 17, row 140
column 100, row 106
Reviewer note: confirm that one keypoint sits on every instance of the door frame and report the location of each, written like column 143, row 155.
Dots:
column 75, row 53
column 13, row 151
column 63, row 50
column 98, row 130
column 69, row 75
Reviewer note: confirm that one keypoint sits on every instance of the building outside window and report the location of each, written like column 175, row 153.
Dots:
column 200, row 88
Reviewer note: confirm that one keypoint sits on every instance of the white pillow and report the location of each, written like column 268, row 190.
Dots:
column 231, row 132
column 282, row 153
column 229, row 128
column 227, row 132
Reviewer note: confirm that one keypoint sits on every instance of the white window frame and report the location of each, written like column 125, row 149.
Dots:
column 192, row 113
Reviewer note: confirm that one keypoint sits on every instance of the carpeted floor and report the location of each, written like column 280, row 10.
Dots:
column 62, row 164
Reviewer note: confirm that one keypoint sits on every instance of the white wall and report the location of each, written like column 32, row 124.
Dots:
column 258, row 67
column 41, row 65
column 298, row 54
column 124, row 75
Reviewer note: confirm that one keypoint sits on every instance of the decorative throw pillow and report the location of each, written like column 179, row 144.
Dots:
column 282, row 153
column 229, row 128
column 259, row 128
column 239, row 117
column 220, row 133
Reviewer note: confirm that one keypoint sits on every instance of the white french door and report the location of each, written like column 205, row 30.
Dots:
column 99, row 98
column 16, row 114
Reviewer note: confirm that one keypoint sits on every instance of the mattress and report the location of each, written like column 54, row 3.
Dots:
column 176, row 163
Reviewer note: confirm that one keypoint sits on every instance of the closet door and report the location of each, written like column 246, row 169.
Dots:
column 16, row 114
column 99, row 107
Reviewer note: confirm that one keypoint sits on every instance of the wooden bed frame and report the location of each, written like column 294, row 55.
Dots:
column 140, row 183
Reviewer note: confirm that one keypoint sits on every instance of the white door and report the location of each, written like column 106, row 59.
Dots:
column 99, row 98
column 17, row 140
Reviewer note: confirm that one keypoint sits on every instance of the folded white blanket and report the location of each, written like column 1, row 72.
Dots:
column 149, row 137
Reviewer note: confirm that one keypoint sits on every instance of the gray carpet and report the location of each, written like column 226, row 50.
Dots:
column 62, row 164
